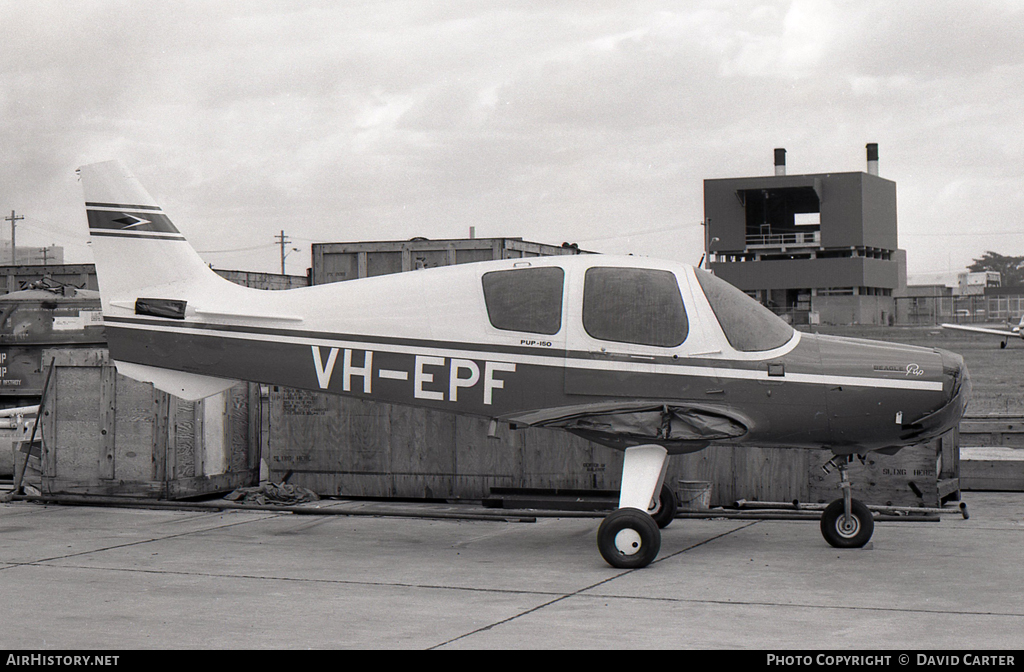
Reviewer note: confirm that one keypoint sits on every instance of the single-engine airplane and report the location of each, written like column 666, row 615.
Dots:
column 1007, row 334
column 647, row 357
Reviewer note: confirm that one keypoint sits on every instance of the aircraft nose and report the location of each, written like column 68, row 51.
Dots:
column 956, row 381
column 956, row 392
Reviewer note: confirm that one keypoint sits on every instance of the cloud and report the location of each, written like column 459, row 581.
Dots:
column 370, row 120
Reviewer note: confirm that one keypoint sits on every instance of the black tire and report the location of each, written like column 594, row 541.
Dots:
column 665, row 512
column 629, row 539
column 833, row 525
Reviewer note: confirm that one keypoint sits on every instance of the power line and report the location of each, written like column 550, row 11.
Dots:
column 52, row 230
column 237, row 249
column 675, row 227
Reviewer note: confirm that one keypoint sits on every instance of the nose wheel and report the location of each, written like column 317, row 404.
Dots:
column 842, row 531
column 846, row 522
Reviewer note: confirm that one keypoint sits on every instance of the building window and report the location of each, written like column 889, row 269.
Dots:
column 526, row 299
column 634, row 305
column 749, row 326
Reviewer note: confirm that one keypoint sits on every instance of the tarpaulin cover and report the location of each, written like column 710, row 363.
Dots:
column 664, row 423
column 272, row 493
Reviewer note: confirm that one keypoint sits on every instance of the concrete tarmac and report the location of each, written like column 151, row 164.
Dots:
column 101, row 578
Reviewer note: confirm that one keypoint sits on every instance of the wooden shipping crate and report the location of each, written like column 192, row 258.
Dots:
column 744, row 472
column 341, row 446
column 993, row 468
column 106, row 434
column 993, row 430
column 927, row 476
column 993, row 453
column 338, row 446
column 335, row 262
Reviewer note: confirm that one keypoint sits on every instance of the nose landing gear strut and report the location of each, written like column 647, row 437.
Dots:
column 846, row 522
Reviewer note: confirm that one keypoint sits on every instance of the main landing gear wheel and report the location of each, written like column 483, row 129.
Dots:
column 665, row 510
column 629, row 539
column 841, row 534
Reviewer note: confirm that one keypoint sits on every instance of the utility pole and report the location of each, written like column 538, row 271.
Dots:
column 13, row 219
column 283, row 241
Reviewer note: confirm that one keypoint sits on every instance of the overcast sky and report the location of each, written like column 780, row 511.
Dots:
column 590, row 122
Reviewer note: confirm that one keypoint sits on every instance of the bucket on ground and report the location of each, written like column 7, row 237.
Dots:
column 694, row 495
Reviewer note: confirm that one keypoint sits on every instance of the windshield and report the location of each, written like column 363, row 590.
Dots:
column 749, row 326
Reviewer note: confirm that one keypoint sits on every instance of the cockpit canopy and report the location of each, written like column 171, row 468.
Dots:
column 632, row 305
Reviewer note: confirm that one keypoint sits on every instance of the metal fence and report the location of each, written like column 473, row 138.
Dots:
column 934, row 310
column 971, row 309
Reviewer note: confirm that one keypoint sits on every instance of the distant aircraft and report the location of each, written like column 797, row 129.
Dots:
column 650, row 358
column 1007, row 334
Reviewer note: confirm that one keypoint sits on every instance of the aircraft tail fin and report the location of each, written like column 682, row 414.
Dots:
column 145, row 269
column 134, row 243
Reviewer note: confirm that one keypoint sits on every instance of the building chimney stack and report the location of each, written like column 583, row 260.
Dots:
column 872, row 158
column 780, row 161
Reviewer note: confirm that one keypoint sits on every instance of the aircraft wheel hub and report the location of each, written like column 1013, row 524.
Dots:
column 848, row 530
column 628, row 541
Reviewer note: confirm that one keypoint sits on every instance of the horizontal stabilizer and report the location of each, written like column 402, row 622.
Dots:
column 188, row 386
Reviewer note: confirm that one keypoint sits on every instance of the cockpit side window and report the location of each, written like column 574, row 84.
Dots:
column 525, row 299
column 749, row 326
column 634, row 305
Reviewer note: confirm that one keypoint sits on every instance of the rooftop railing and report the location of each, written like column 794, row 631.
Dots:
column 799, row 239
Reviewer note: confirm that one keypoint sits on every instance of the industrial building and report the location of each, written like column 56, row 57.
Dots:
column 816, row 248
